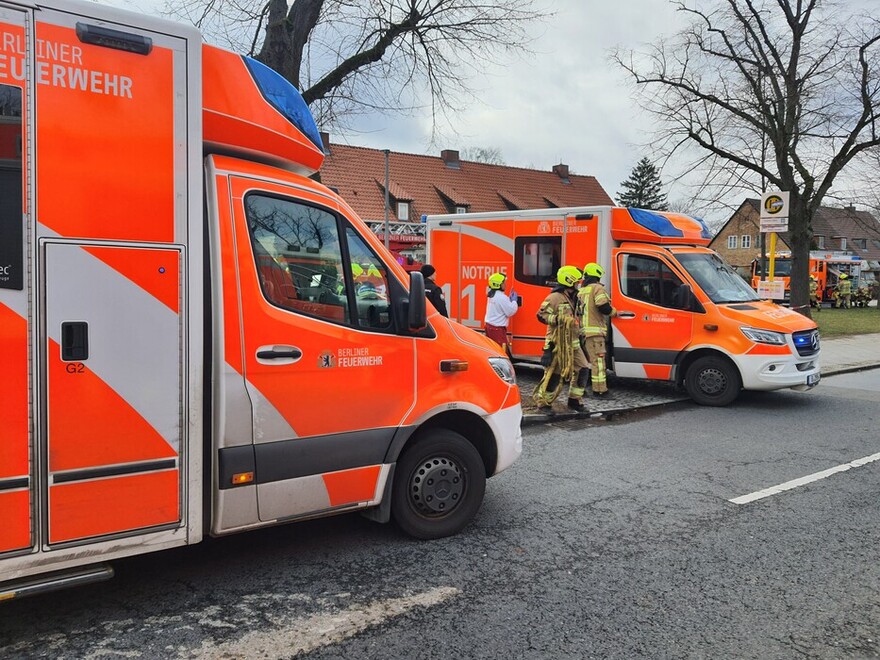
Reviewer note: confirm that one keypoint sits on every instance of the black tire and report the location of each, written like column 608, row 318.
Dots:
column 438, row 486
column 712, row 381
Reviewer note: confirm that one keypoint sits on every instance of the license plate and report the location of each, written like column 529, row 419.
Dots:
column 812, row 379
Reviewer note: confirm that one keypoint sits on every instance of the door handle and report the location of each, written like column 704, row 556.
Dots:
column 278, row 354
column 626, row 315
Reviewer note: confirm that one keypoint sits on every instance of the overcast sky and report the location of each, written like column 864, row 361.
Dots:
column 565, row 102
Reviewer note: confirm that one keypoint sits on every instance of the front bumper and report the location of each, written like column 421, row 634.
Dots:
column 776, row 372
column 506, row 426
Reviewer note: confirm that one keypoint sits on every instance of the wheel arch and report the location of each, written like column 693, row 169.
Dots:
column 687, row 359
column 464, row 422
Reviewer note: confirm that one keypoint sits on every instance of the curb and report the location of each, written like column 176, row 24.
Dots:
column 850, row 369
column 532, row 419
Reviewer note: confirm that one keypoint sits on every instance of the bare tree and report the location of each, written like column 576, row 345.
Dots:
column 350, row 56
column 778, row 94
column 488, row 155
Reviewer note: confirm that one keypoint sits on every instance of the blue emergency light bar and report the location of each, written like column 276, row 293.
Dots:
column 285, row 98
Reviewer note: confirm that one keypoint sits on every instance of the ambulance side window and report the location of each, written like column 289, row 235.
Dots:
column 648, row 279
column 370, row 284
column 299, row 258
column 11, row 225
column 537, row 259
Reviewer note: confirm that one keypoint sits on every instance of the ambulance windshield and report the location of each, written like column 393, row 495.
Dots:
column 717, row 279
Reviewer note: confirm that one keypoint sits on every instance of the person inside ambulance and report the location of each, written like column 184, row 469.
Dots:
column 563, row 357
column 594, row 310
column 499, row 308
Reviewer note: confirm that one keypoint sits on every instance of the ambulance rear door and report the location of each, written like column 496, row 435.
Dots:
column 108, row 195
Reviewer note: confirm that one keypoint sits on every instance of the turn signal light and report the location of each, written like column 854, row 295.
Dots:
column 242, row 478
column 711, row 327
column 448, row 366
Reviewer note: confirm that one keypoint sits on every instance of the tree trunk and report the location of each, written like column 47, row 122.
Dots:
column 287, row 34
column 799, row 223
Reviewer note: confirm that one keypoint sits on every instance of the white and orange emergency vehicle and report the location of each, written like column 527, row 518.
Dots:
column 683, row 314
column 184, row 347
column 825, row 267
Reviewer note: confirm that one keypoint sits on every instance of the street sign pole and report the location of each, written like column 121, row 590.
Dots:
column 774, row 219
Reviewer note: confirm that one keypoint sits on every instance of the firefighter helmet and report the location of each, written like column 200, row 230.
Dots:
column 593, row 269
column 568, row 276
column 496, row 280
column 843, row 276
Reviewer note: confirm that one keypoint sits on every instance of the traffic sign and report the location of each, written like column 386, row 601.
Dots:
column 774, row 204
column 774, row 290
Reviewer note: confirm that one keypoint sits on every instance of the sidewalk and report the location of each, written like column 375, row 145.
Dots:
column 853, row 353
column 838, row 355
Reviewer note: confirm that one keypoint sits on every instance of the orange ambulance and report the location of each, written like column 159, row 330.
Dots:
column 184, row 348
column 683, row 314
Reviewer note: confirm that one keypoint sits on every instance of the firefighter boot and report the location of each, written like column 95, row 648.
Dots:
column 576, row 405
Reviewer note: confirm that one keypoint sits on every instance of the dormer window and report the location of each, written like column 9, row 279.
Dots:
column 461, row 209
column 403, row 211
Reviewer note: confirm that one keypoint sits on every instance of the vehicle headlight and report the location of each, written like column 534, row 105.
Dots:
column 764, row 336
column 503, row 368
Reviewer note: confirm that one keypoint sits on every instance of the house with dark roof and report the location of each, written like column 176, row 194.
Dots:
column 421, row 185
column 835, row 231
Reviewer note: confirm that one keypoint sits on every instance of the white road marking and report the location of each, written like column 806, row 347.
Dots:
column 794, row 483
column 307, row 634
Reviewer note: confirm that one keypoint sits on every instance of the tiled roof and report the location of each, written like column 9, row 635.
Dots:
column 852, row 225
column 452, row 195
column 354, row 171
column 395, row 190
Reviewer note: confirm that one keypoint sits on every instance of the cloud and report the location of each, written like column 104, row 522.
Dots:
column 565, row 102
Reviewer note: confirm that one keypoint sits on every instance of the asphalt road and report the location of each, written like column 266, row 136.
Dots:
column 606, row 540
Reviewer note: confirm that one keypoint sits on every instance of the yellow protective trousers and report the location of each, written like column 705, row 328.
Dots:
column 596, row 355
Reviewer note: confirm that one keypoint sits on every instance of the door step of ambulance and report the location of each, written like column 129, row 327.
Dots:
column 40, row 584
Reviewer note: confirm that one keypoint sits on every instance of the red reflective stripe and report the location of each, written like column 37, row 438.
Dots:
column 347, row 486
column 154, row 271
column 90, row 424
column 105, row 506
column 15, row 529
column 13, row 394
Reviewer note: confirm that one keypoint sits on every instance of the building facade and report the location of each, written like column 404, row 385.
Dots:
column 421, row 185
column 835, row 231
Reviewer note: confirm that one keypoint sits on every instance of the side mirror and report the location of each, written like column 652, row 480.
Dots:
column 683, row 297
column 417, row 307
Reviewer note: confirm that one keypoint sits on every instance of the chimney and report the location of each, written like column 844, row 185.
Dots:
column 561, row 170
column 325, row 141
column 450, row 159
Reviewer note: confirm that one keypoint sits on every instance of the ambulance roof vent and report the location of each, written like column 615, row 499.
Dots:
column 285, row 98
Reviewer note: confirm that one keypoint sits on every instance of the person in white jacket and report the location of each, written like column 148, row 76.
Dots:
column 499, row 308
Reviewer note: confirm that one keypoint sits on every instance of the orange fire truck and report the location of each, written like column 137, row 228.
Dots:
column 186, row 347
column 683, row 314
column 826, row 267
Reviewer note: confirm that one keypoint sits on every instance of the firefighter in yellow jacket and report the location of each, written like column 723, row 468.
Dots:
column 563, row 357
column 594, row 309
column 814, row 293
column 844, row 292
